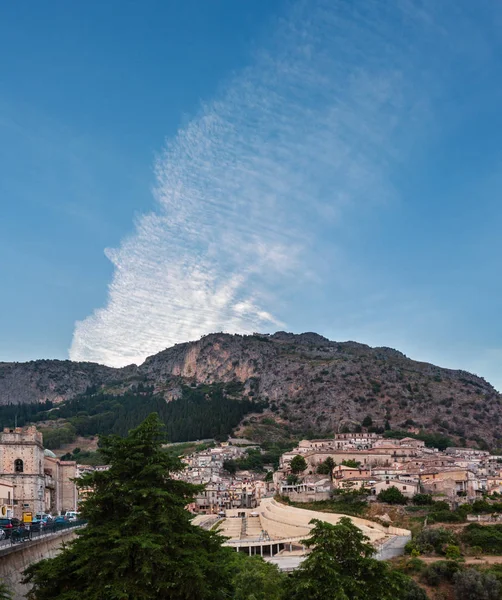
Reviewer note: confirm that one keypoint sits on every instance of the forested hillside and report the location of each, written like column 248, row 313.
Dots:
column 208, row 411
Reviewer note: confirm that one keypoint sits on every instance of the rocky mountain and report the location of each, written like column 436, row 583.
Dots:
column 310, row 383
column 56, row 380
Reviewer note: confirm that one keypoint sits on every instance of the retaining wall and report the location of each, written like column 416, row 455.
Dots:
column 15, row 559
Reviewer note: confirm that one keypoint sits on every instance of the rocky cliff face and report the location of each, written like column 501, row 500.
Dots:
column 309, row 381
column 56, row 380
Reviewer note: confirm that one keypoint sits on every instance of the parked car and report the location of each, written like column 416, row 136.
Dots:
column 61, row 520
column 38, row 524
column 8, row 525
column 3, row 535
column 43, row 517
column 72, row 515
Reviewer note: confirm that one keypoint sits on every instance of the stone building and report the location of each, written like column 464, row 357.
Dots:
column 60, row 490
column 41, row 482
column 6, row 499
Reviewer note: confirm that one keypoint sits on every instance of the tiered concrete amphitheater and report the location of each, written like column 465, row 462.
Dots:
column 275, row 529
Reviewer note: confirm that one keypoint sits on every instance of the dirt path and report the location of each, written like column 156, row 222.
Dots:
column 469, row 560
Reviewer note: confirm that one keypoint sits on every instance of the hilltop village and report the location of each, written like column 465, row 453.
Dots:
column 365, row 462
column 34, row 479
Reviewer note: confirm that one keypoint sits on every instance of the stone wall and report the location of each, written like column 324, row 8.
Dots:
column 281, row 521
column 308, row 496
column 15, row 559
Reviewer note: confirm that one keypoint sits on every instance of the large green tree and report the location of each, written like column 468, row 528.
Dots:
column 326, row 467
column 298, row 464
column 256, row 579
column 139, row 543
column 340, row 567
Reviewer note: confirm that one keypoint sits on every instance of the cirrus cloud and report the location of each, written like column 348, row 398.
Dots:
column 310, row 130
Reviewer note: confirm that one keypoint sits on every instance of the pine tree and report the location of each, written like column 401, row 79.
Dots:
column 139, row 543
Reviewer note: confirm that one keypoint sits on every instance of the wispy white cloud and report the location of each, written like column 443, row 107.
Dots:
column 310, row 131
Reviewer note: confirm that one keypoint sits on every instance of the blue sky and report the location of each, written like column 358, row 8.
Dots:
column 169, row 169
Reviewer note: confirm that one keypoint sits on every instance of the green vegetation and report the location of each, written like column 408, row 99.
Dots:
column 84, row 457
column 298, row 464
column 431, row 540
column 467, row 583
column 268, row 431
column 443, row 570
column 255, row 459
column 326, row 467
column 139, row 542
column 5, row 593
column 367, row 421
column 22, row 414
column 456, row 580
column 422, row 500
column 354, row 464
column 486, row 537
column 341, row 566
column 258, row 580
column 452, row 552
column 470, row 584
column 206, row 411
column 55, row 437
column 392, row 495
column 432, row 440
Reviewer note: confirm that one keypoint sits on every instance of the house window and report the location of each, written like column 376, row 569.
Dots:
column 18, row 466
column 404, row 487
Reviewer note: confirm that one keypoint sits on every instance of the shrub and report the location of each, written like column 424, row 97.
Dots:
column 434, row 540
column 440, row 506
column 495, row 571
column 482, row 506
column 410, row 565
column 476, row 551
column 471, row 584
column 411, row 547
column 486, row 537
column 406, row 588
column 392, row 495
column 452, row 552
column 422, row 499
column 367, row 421
column 443, row 570
column 444, row 516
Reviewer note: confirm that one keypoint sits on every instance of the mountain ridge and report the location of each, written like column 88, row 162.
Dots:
column 308, row 381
